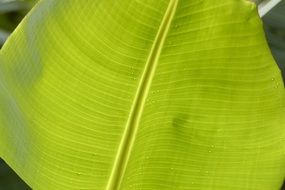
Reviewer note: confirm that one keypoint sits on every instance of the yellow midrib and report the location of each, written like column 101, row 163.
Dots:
column 139, row 100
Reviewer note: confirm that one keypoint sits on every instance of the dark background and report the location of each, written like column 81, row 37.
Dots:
column 13, row 11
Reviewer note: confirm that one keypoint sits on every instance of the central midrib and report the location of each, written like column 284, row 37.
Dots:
column 129, row 135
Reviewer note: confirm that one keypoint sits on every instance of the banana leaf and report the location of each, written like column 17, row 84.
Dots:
column 142, row 95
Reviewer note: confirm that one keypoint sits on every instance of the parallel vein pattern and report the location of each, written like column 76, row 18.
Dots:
column 140, row 98
column 142, row 95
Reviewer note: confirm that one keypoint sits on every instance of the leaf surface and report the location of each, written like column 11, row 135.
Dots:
column 153, row 94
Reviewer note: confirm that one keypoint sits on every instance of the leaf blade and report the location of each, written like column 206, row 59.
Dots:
column 213, row 113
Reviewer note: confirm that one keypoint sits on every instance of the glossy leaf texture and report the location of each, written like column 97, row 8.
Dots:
column 142, row 95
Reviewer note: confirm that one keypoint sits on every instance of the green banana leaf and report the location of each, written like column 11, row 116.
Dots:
column 142, row 95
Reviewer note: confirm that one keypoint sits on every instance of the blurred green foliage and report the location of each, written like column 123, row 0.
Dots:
column 11, row 13
column 9, row 180
column 274, row 25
